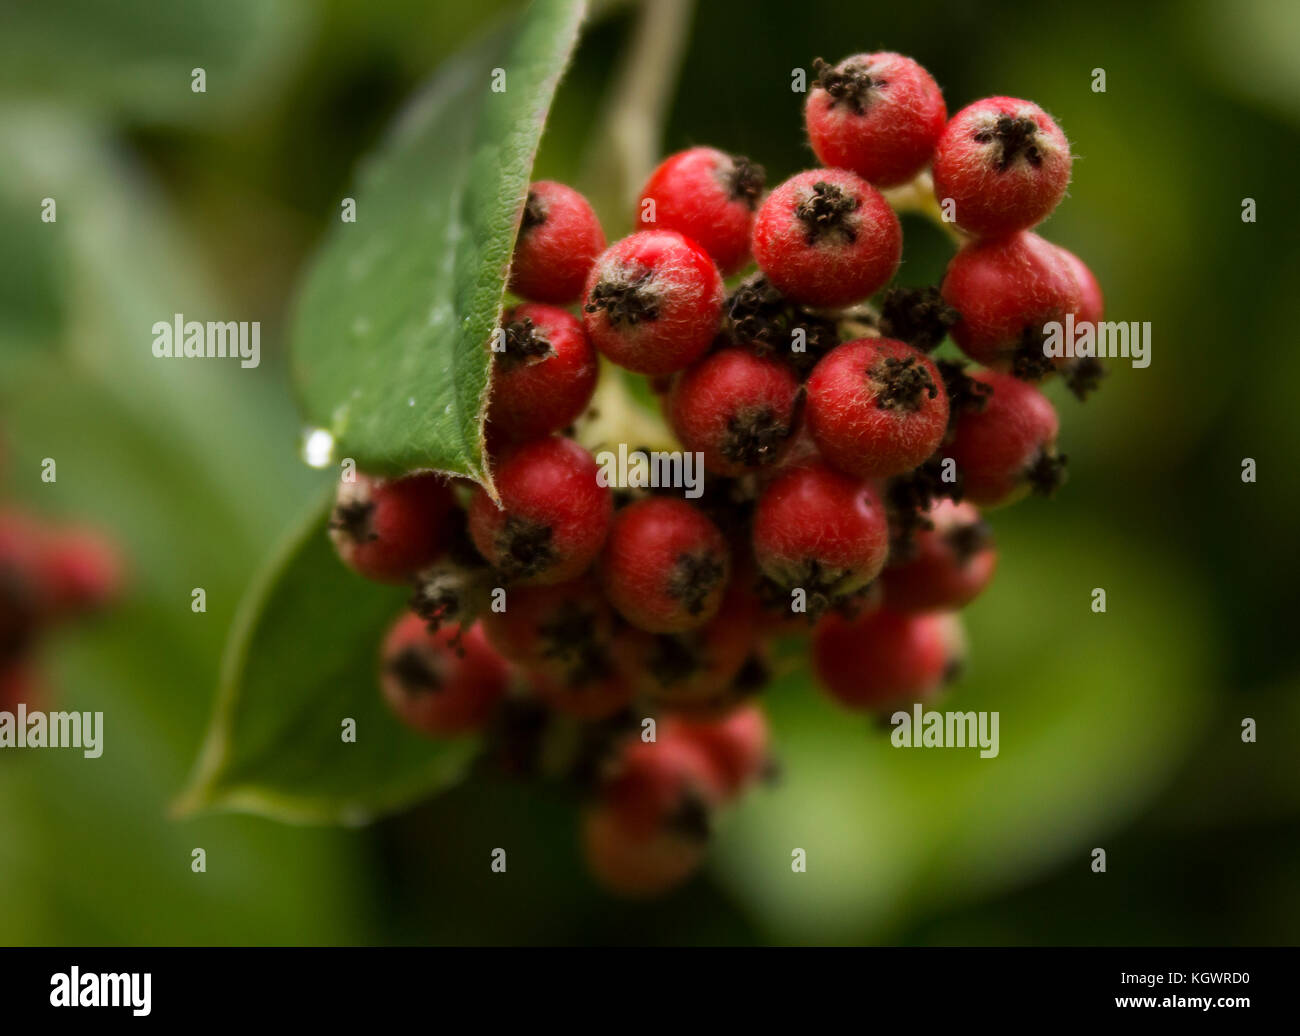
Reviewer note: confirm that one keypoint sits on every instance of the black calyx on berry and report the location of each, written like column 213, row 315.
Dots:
column 524, row 344
column 415, row 672
column 524, row 547
column 694, row 577
column 966, row 395
column 1083, row 376
column 1015, row 137
column 826, row 214
column 353, row 519
column 918, row 316
column 744, row 180
column 901, row 384
column 534, row 213
column 625, row 298
column 849, row 83
column 1046, row 473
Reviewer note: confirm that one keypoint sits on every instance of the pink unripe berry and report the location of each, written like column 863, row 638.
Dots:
column 553, row 515
column 1004, row 164
column 559, row 240
column 879, row 115
column 708, row 196
column 653, row 302
column 1007, row 290
column 386, row 529
column 444, row 683
column 1007, row 448
column 665, row 566
column 544, row 376
column 736, row 408
column 818, row 529
column 826, row 237
column 876, row 407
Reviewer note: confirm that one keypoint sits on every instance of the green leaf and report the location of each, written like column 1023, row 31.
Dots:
column 302, row 658
column 390, row 340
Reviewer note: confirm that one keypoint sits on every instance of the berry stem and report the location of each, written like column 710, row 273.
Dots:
column 625, row 144
column 918, row 196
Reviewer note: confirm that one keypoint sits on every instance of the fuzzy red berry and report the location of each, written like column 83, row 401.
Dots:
column 544, row 375
column 653, row 302
column 737, row 744
column 1004, row 163
column 882, row 660
column 386, row 529
column 1007, row 447
column 710, row 197
column 1092, row 304
column 736, row 408
column 818, row 529
column 559, row 240
column 704, row 672
column 948, row 565
column 665, row 565
column 879, row 115
column 1006, row 291
column 442, row 683
column 826, row 237
column 553, row 515
column 876, row 407
column 649, row 828
column 564, row 636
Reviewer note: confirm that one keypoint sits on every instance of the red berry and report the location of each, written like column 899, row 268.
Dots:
column 879, row 115
column 564, row 636
column 1092, row 304
column 876, row 407
column 736, row 744
column 710, row 197
column 648, row 831
column 653, row 302
column 949, row 564
column 665, row 565
column 543, row 379
column 826, row 237
column 882, row 660
column 386, row 529
column 736, row 408
column 706, row 671
column 553, row 515
column 442, row 683
column 820, row 530
column 1006, row 448
column 83, row 570
column 1004, row 163
column 637, row 866
column 559, row 240
column 1006, row 290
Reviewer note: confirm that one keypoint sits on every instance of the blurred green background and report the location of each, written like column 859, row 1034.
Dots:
column 1119, row 731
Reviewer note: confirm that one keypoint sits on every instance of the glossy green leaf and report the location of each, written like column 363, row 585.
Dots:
column 392, row 328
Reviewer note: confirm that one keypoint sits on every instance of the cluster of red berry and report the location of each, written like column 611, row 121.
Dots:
column 46, row 576
column 844, row 463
